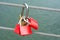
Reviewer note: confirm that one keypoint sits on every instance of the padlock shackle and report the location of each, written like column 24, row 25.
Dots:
column 21, row 16
column 22, row 12
column 27, row 10
column 26, row 5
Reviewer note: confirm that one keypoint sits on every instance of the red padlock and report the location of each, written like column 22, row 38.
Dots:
column 33, row 23
column 17, row 29
column 25, row 30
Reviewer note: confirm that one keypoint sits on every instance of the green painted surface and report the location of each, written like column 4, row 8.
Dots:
column 49, row 21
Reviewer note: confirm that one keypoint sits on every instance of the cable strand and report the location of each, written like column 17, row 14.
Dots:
column 34, row 7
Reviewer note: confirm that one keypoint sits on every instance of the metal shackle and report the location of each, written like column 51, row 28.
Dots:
column 27, row 10
column 25, row 18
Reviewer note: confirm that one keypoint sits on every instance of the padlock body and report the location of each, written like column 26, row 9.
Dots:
column 25, row 30
column 17, row 29
column 33, row 23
